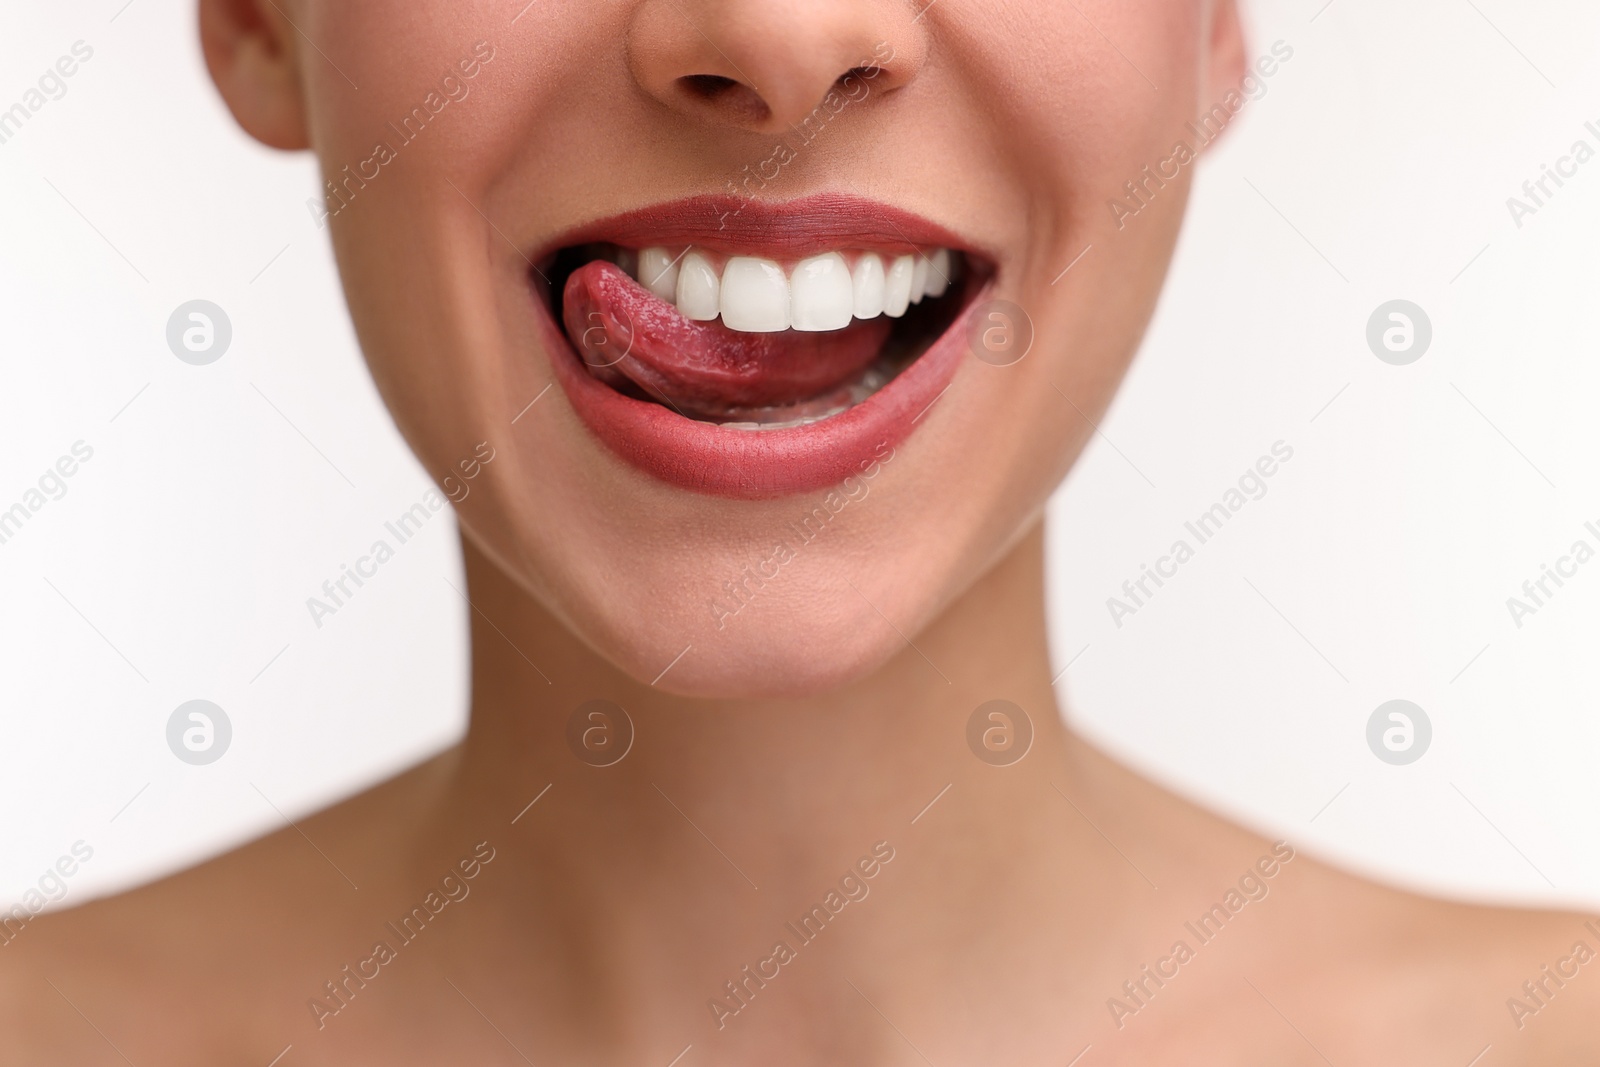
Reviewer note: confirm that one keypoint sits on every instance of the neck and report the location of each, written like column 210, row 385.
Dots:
column 871, row 747
column 725, row 820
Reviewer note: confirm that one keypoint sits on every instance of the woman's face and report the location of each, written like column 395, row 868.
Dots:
column 571, row 236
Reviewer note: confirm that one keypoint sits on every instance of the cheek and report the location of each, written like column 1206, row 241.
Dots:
column 550, row 72
column 1088, row 87
column 412, row 175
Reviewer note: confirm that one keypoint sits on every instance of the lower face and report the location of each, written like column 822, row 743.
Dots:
column 759, row 404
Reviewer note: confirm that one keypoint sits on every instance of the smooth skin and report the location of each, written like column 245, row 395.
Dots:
column 826, row 716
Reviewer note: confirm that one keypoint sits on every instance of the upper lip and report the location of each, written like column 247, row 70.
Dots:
column 790, row 229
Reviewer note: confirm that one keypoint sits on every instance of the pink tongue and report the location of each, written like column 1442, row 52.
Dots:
column 627, row 334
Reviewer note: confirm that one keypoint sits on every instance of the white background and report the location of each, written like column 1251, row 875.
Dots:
column 1377, row 566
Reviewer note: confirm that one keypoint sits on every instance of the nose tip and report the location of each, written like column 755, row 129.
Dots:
column 764, row 65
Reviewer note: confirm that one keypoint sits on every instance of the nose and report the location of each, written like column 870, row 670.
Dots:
column 764, row 65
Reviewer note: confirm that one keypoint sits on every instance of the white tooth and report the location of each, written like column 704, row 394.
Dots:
column 658, row 270
column 755, row 296
column 897, row 287
column 868, row 285
column 939, row 273
column 919, row 280
column 821, row 294
column 698, row 288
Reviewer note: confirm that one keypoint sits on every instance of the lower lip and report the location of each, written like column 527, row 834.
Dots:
column 754, row 464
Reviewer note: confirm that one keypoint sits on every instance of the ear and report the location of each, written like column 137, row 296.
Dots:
column 250, row 50
column 1226, row 66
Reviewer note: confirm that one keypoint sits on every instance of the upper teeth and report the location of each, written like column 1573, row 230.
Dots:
column 823, row 292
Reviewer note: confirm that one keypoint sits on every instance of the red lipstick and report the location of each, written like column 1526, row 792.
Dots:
column 673, row 397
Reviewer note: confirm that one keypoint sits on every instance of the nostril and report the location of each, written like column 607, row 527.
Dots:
column 728, row 94
column 859, row 73
column 706, row 86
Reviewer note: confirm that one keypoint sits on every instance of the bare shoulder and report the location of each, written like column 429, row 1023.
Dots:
column 1296, row 958
column 223, row 946
column 101, row 981
column 1415, row 977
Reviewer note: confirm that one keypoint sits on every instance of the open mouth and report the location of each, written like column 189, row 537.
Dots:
column 748, row 342
column 750, row 350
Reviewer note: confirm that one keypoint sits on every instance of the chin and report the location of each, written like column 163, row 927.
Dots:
column 770, row 654
column 699, row 620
